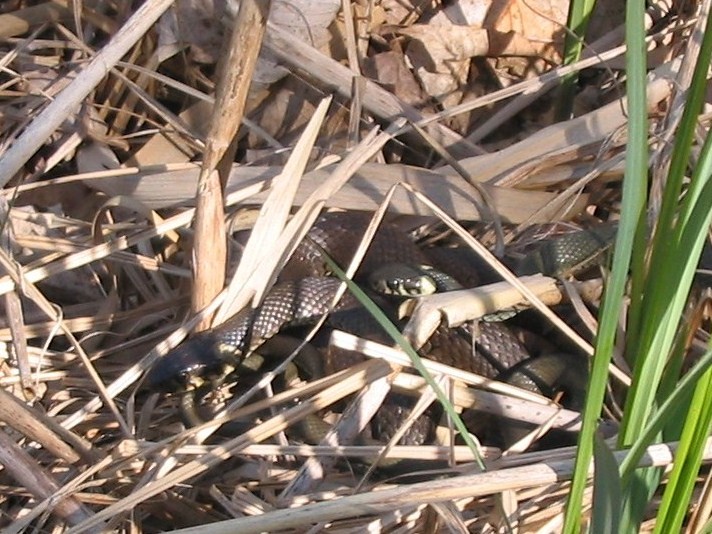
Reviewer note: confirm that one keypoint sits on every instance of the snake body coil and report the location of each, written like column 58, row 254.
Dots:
column 306, row 295
column 211, row 354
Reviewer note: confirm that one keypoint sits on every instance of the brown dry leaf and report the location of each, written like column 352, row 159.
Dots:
column 541, row 22
column 390, row 71
column 441, row 49
column 398, row 11
column 307, row 20
column 438, row 59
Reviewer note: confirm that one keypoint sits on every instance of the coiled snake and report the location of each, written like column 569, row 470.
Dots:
column 304, row 294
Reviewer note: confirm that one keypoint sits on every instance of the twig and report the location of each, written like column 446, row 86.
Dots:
column 31, row 475
column 210, row 247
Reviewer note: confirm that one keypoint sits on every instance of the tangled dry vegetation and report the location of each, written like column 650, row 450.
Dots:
column 106, row 108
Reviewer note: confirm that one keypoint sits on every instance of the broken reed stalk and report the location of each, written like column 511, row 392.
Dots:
column 31, row 475
column 210, row 246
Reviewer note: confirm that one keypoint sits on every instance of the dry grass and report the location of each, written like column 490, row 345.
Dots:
column 96, row 160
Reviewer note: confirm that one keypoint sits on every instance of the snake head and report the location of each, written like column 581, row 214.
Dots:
column 402, row 280
column 190, row 365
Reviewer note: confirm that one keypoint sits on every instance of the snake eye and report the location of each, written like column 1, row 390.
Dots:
column 394, row 285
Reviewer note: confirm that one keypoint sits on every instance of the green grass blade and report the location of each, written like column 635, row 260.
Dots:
column 670, row 205
column 634, row 197
column 655, row 321
column 662, row 312
column 606, row 490
column 676, row 498
column 684, row 138
column 636, row 496
column 577, row 23
column 663, row 295
column 671, row 405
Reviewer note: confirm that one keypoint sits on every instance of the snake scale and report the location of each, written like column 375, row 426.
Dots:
column 305, row 291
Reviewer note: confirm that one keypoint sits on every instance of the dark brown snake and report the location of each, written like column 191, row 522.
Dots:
column 304, row 293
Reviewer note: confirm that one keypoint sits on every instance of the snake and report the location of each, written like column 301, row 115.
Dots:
column 393, row 265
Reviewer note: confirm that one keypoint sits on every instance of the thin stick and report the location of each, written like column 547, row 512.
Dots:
column 210, row 247
column 29, row 474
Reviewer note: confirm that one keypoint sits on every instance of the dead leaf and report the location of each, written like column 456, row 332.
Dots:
column 390, row 71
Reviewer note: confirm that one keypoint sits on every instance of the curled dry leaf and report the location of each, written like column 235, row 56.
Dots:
column 441, row 49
